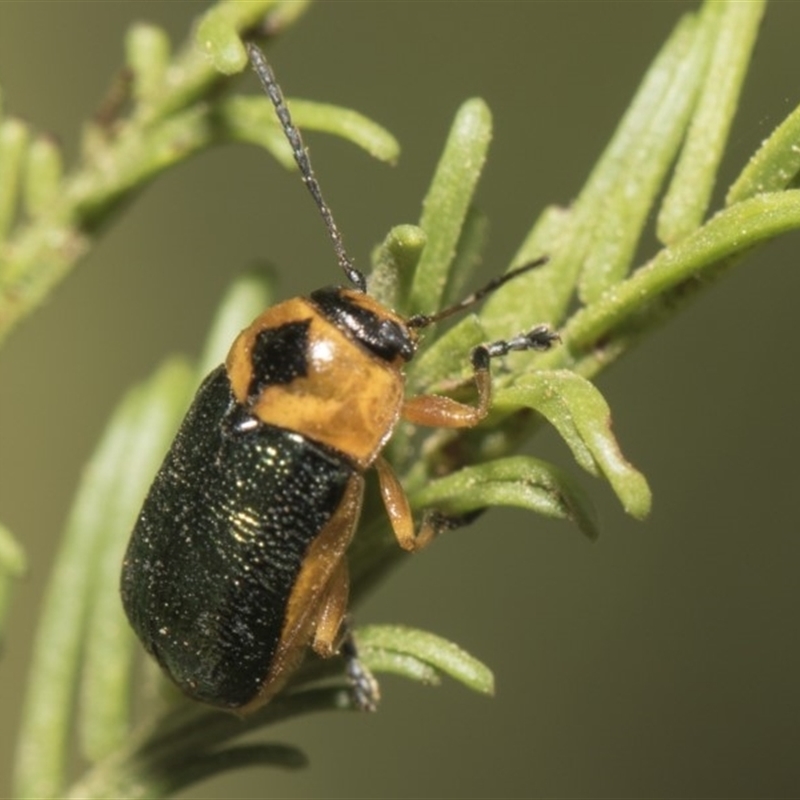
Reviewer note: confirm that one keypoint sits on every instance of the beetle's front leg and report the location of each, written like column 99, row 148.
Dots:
column 443, row 412
column 437, row 411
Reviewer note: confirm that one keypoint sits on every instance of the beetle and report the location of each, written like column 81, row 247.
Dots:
column 237, row 561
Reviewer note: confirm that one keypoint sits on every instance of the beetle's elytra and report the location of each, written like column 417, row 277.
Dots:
column 237, row 563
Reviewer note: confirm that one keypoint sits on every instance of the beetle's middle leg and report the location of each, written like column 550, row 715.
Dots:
column 398, row 508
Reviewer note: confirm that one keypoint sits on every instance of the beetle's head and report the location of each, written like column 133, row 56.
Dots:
column 376, row 327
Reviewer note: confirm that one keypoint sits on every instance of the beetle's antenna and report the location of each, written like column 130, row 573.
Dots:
column 423, row 320
column 267, row 78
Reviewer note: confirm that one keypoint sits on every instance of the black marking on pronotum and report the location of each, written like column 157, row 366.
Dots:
column 280, row 355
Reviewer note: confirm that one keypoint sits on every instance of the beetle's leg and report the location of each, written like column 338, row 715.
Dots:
column 332, row 610
column 437, row 411
column 399, row 510
column 401, row 519
column 332, row 634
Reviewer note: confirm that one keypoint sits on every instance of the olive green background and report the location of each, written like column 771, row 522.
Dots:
column 662, row 661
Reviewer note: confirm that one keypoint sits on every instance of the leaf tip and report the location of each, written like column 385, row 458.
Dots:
column 219, row 40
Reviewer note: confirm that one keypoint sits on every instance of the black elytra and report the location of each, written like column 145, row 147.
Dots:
column 219, row 543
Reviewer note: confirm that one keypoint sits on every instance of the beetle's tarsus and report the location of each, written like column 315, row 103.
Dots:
column 542, row 337
column 366, row 692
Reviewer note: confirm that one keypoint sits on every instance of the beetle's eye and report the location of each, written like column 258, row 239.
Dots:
column 391, row 341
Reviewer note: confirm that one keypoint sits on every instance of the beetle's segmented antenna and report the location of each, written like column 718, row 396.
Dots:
column 267, row 78
column 423, row 320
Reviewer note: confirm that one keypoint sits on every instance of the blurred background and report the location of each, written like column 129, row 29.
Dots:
column 662, row 660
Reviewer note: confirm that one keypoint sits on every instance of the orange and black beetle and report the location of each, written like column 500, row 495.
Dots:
column 237, row 561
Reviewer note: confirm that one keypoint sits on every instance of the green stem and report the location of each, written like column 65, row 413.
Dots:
column 167, row 127
column 47, row 712
column 730, row 232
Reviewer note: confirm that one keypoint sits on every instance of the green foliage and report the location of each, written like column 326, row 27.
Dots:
column 421, row 656
column 13, row 564
column 675, row 131
column 445, row 206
